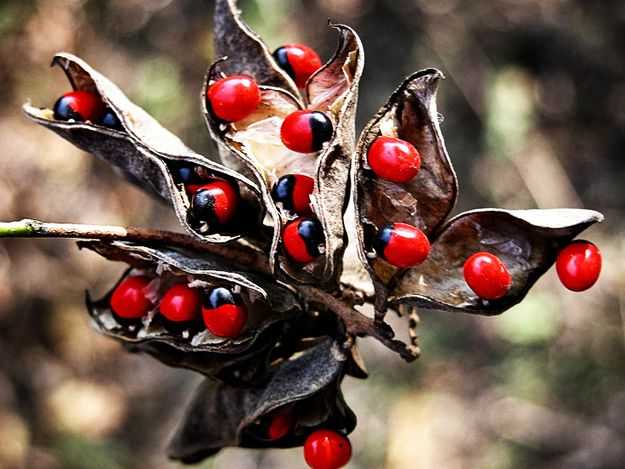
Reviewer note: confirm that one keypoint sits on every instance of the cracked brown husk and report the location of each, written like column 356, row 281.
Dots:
column 301, row 337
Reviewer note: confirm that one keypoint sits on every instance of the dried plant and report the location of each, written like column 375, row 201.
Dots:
column 300, row 335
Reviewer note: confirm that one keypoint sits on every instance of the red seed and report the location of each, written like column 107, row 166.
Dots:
column 80, row 106
column 487, row 276
column 394, row 159
column 306, row 131
column 234, row 98
column 299, row 61
column 226, row 320
column 327, row 449
column 301, row 238
column 180, row 303
column 579, row 265
column 129, row 300
column 281, row 423
column 402, row 245
column 215, row 202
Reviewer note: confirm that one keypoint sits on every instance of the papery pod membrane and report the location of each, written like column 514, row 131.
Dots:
column 247, row 52
column 527, row 241
column 308, row 385
column 254, row 147
column 269, row 305
column 425, row 202
column 143, row 150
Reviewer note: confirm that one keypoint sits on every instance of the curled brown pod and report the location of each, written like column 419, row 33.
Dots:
column 268, row 306
column 527, row 241
column 149, row 155
column 305, row 390
column 253, row 145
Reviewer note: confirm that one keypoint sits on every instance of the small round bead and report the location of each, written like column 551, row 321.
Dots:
column 215, row 203
column 129, row 300
column 79, row 106
column 402, row 245
column 180, row 303
column 224, row 313
column 327, row 449
column 487, row 276
column 306, row 131
column 301, row 239
column 299, row 61
column 281, row 424
column 234, row 98
column 109, row 119
column 394, row 159
column 579, row 265
column 293, row 191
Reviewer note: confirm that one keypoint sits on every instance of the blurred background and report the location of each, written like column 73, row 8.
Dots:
column 534, row 116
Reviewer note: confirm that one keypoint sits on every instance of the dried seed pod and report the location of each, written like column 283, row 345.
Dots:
column 424, row 201
column 269, row 305
column 308, row 385
column 527, row 241
column 148, row 154
column 254, row 147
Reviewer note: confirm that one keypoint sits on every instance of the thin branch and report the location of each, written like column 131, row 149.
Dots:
column 237, row 252
column 358, row 324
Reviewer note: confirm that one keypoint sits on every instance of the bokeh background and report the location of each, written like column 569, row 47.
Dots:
column 534, row 116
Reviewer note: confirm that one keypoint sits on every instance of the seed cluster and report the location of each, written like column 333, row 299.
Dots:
column 271, row 319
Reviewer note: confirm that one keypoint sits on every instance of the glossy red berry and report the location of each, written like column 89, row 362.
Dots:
column 224, row 313
column 301, row 239
column 299, row 61
column 215, row 202
column 129, row 299
column 234, row 98
column 487, row 276
column 293, row 192
column 79, row 106
column 394, row 159
column 280, row 424
column 180, row 303
column 579, row 265
column 306, row 131
column 326, row 449
column 402, row 245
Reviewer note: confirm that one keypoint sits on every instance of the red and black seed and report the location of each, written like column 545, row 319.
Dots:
column 293, row 192
column 306, row 131
column 301, row 239
column 215, row 203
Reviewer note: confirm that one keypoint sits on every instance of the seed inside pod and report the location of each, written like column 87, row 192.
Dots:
column 293, row 191
column 299, row 61
column 579, row 265
column 327, row 449
column 110, row 120
column 80, row 106
column 233, row 98
column 301, row 239
column 224, row 313
column 487, row 276
column 180, row 303
column 306, row 131
column 129, row 300
column 215, row 203
column 402, row 245
column 394, row 159
column 280, row 423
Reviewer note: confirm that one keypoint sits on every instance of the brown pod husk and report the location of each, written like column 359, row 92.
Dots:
column 269, row 305
column 527, row 241
column 248, row 53
column 426, row 200
column 308, row 385
column 144, row 151
column 253, row 146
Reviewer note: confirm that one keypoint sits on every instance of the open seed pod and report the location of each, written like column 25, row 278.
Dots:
column 253, row 145
column 150, row 156
column 304, row 390
column 268, row 306
column 527, row 241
